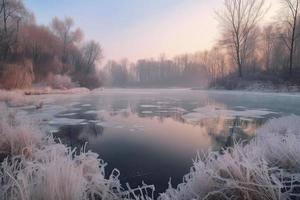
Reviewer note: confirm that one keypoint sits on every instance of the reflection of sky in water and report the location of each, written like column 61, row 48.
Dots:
column 153, row 135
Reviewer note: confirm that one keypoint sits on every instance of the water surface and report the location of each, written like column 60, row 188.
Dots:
column 152, row 135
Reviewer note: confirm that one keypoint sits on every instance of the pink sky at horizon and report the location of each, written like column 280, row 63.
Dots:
column 136, row 31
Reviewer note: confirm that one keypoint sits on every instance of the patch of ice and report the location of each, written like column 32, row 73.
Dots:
column 67, row 114
column 240, row 107
column 47, row 112
column 214, row 112
column 163, row 111
column 53, row 131
column 147, row 112
column 149, row 106
column 86, row 105
column 178, row 109
column 103, row 124
column 162, row 102
column 66, row 121
column 246, row 119
column 91, row 112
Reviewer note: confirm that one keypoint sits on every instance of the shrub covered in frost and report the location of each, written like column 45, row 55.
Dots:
column 60, row 82
column 16, row 98
column 56, row 172
column 265, row 168
column 36, row 167
column 17, row 137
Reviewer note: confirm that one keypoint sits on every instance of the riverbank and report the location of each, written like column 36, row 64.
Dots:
column 257, row 86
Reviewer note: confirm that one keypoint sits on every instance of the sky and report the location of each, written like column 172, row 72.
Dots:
column 137, row 29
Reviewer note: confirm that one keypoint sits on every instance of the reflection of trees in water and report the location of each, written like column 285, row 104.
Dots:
column 223, row 130
column 78, row 135
column 237, row 130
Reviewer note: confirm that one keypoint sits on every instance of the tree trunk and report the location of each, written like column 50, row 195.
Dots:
column 239, row 63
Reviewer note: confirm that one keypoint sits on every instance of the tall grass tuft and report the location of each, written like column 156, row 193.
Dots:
column 17, row 137
column 267, row 168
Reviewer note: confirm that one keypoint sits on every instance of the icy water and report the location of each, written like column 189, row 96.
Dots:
column 153, row 135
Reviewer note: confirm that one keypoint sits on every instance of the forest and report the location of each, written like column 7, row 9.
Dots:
column 54, row 54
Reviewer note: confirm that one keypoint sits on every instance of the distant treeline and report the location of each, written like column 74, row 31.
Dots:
column 34, row 53
column 246, row 51
column 182, row 71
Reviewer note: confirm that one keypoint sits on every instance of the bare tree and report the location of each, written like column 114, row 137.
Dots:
column 239, row 19
column 267, row 44
column 92, row 52
column 64, row 30
column 290, row 37
column 11, row 14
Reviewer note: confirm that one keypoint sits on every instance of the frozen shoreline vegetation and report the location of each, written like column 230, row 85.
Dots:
column 18, row 98
column 265, row 168
column 36, row 167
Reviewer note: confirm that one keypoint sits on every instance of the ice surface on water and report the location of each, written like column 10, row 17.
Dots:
column 67, row 114
column 66, row 121
column 146, row 112
column 47, row 112
column 162, row 102
column 75, row 109
column 215, row 111
column 91, row 112
column 163, row 111
column 149, row 106
column 178, row 109
column 86, row 105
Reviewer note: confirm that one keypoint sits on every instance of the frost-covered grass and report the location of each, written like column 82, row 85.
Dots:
column 56, row 172
column 16, row 98
column 48, row 90
column 265, row 168
column 17, row 137
column 36, row 167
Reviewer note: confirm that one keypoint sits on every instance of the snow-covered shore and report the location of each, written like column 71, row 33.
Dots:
column 259, row 87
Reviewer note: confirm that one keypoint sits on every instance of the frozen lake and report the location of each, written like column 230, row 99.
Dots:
column 154, row 134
